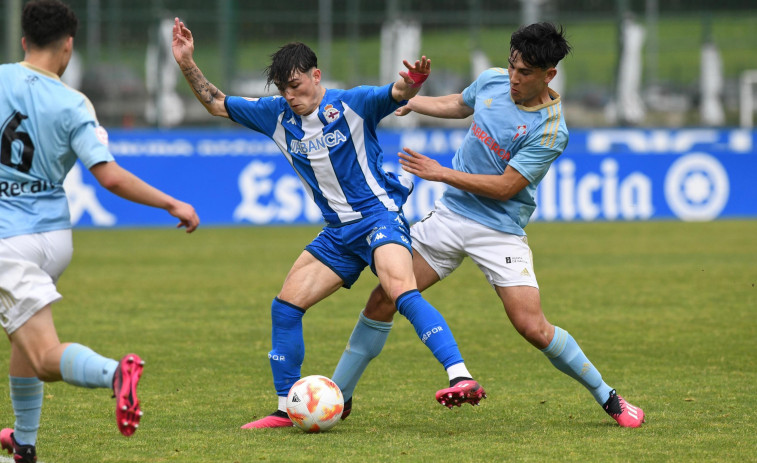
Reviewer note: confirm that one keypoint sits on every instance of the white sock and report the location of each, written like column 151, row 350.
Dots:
column 283, row 403
column 457, row 370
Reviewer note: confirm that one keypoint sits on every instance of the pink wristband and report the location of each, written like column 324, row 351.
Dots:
column 418, row 78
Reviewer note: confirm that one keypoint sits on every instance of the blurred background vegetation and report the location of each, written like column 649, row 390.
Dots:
column 234, row 39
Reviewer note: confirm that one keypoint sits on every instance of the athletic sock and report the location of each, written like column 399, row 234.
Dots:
column 282, row 404
column 288, row 345
column 81, row 366
column 458, row 372
column 430, row 327
column 26, row 397
column 566, row 356
column 367, row 339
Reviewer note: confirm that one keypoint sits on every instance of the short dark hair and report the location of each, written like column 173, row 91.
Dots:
column 290, row 58
column 47, row 21
column 541, row 45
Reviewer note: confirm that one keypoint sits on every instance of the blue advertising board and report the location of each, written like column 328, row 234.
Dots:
column 240, row 177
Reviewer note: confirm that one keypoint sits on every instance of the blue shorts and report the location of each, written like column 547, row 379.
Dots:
column 347, row 249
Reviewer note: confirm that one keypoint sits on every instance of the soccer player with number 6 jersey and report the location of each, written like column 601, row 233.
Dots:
column 45, row 127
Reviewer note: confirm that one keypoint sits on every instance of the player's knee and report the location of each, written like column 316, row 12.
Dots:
column 40, row 364
column 379, row 306
column 534, row 332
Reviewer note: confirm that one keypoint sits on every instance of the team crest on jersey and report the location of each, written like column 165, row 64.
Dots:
column 102, row 135
column 520, row 131
column 330, row 113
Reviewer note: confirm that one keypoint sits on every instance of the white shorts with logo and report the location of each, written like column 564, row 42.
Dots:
column 444, row 238
column 30, row 265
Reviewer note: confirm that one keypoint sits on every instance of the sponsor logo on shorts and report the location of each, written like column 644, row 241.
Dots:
column 512, row 260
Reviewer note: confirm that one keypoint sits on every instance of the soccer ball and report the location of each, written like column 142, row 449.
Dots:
column 315, row 403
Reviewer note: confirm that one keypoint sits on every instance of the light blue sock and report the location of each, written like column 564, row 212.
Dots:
column 430, row 327
column 26, row 397
column 81, row 366
column 288, row 345
column 567, row 357
column 366, row 342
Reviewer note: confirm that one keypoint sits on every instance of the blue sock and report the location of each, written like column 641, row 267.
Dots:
column 81, row 366
column 366, row 342
column 288, row 345
column 430, row 327
column 567, row 357
column 26, row 397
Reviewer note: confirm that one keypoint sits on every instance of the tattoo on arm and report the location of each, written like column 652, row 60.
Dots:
column 204, row 90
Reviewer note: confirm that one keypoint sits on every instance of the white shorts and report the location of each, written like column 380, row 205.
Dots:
column 30, row 265
column 444, row 238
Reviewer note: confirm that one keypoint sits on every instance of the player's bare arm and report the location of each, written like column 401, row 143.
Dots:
column 446, row 107
column 123, row 183
column 183, row 49
column 411, row 80
column 500, row 187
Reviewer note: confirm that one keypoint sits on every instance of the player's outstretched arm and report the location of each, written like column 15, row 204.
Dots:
column 500, row 187
column 123, row 183
column 183, row 49
column 410, row 81
column 447, row 107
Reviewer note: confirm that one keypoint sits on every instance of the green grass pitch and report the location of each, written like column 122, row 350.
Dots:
column 665, row 310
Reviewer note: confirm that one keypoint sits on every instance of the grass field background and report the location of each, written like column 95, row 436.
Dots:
column 665, row 310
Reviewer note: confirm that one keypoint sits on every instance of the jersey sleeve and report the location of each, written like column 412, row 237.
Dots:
column 88, row 139
column 533, row 160
column 373, row 103
column 259, row 114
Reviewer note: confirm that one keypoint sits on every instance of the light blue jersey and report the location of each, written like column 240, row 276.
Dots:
column 504, row 133
column 44, row 127
column 334, row 150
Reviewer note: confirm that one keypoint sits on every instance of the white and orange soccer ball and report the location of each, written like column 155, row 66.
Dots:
column 315, row 403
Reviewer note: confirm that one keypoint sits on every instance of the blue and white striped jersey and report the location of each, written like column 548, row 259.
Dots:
column 334, row 150
column 44, row 127
column 503, row 133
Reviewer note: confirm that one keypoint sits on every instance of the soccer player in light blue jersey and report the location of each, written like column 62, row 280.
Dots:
column 329, row 138
column 45, row 127
column 518, row 130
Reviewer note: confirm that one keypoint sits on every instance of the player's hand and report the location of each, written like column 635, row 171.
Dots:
column 186, row 214
column 422, row 67
column 183, row 44
column 421, row 165
column 402, row 110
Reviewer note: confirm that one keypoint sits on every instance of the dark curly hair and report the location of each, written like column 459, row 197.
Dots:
column 541, row 45
column 290, row 58
column 46, row 21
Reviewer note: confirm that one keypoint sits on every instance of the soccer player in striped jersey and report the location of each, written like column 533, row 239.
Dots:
column 518, row 130
column 329, row 138
column 45, row 126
